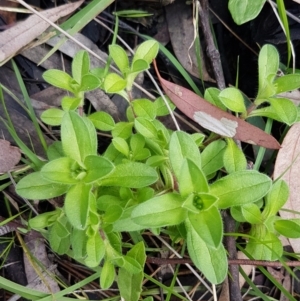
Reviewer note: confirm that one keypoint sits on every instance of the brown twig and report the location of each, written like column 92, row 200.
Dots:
column 263, row 263
column 211, row 49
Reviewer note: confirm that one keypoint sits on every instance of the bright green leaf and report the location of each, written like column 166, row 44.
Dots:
column 121, row 145
column 243, row 11
column 102, row 121
column 131, row 174
column 80, row 65
column 95, row 250
column 144, row 108
column 77, row 205
column 164, row 210
column 212, row 262
column 240, row 188
column 63, row 170
column 251, row 213
column 139, row 65
column 70, row 103
column 208, row 225
column 107, row 275
column 182, row 146
column 96, row 168
column 78, row 135
column 212, row 157
column 122, row 130
column 287, row 83
column 233, row 99
column 191, row 179
column 161, row 108
column 120, row 57
column 211, row 94
column 145, row 127
column 52, row 116
column 55, row 150
column 114, row 83
column 89, row 82
column 35, row 187
column 59, row 79
column 288, row 228
column 146, row 51
column 233, row 157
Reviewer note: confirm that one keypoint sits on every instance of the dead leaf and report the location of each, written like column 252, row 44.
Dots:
column 287, row 166
column 214, row 119
column 9, row 156
column 181, row 31
column 18, row 36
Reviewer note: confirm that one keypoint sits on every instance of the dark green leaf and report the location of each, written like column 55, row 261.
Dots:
column 55, row 150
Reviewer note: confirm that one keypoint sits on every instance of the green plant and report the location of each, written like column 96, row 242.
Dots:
column 150, row 177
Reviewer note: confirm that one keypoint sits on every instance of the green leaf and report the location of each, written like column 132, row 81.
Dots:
column 112, row 213
column 182, row 146
column 78, row 242
column 96, row 168
column 212, row 262
column 121, row 145
column 77, row 205
column 122, row 130
column 144, row 108
column 114, row 83
column 80, row 65
column 132, row 175
column 208, row 225
column 78, row 135
column 59, row 79
column 197, row 202
column 233, row 157
column 139, row 65
column 275, row 199
column 264, row 245
column 89, row 82
column 145, row 127
column 70, row 103
column 107, row 276
column 120, row 57
column 35, row 187
column 233, row 99
column 268, row 64
column 137, row 143
column 43, row 220
column 59, row 236
column 164, row 210
column 130, row 285
column 126, row 223
column 287, row 83
column 240, row 188
column 251, row 213
column 102, row 121
column 161, row 108
column 55, row 150
column 146, row 51
column 191, row 179
column 212, row 157
column 62, row 170
column 243, row 11
column 285, row 109
column 95, row 250
column 52, row 116
column 212, row 95
column 288, row 228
